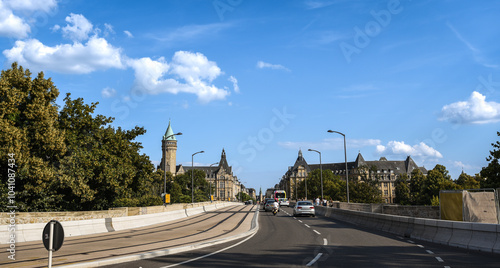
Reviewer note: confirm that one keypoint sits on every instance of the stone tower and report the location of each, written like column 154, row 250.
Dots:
column 169, row 150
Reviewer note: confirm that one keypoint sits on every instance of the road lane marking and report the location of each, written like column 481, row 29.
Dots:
column 420, row 246
column 317, row 232
column 307, row 226
column 210, row 254
column 325, row 242
column 300, row 221
column 430, row 252
column 315, row 259
column 439, row 259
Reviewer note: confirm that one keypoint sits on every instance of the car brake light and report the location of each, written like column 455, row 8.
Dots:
column 311, row 207
column 299, row 207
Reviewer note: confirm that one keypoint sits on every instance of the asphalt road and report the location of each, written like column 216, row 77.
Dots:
column 285, row 241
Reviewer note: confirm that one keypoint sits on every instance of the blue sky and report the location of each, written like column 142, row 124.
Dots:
column 262, row 79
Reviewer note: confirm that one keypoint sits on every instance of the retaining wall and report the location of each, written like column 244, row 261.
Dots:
column 474, row 236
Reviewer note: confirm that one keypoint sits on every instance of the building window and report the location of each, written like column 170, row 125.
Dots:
column 386, row 192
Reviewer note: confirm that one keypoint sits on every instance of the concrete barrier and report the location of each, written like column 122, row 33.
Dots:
column 194, row 211
column 33, row 231
column 209, row 208
column 473, row 236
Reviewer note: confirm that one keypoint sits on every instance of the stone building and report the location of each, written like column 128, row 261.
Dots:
column 387, row 171
column 225, row 185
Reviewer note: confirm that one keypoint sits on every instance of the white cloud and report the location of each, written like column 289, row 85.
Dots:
column 31, row 5
column 310, row 4
column 18, row 25
column 96, row 54
column 262, row 65
column 400, row 148
column 194, row 67
column 77, row 29
column 190, row 33
column 463, row 166
column 12, row 25
column 330, row 144
column 196, row 71
column 476, row 53
column 233, row 80
column 129, row 34
column 108, row 92
column 475, row 110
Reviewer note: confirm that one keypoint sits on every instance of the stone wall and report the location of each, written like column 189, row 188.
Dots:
column 428, row 212
column 44, row 217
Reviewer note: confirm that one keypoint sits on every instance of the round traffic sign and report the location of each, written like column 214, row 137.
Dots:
column 58, row 235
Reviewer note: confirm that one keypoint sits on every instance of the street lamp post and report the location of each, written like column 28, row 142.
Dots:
column 192, row 175
column 296, row 193
column 210, row 184
column 321, row 170
column 306, row 186
column 345, row 157
column 165, row 168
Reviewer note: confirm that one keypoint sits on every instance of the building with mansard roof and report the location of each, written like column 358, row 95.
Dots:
column 387, row 171
column 225, row 185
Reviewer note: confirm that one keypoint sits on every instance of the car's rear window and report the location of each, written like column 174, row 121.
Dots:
column 304, row 203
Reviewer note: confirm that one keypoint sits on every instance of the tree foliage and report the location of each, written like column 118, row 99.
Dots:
column 71, row 159
column 402, row 190
column 491, row 173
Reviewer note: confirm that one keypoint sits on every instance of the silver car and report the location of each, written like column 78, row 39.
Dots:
column 304, row 208
column 271, row 204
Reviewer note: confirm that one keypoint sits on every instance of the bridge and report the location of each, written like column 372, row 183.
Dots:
column 236, row 235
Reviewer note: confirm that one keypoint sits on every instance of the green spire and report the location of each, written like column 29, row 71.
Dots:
column 168, row 133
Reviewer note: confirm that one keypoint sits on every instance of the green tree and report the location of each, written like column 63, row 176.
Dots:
column 364, row 191
column 465, row 181
column 103, row 167
column 402, row 190
column 28, row 119
column 201, row 187
column 437, row 179
column 491, row 173
column 416, row 186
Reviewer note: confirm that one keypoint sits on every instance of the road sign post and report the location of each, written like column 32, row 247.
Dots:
column 52, row 237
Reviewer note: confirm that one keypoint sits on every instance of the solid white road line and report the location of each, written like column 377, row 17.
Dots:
column 315, row 259
column 210, row 254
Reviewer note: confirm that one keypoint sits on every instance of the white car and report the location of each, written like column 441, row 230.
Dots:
column 304, row 208
column 285, row 203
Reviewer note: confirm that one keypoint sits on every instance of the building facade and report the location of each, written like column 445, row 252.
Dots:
column 223, row 183
column 384, row 170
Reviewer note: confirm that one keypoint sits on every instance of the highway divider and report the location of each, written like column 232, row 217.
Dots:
column 469, row 235
column 33, row 231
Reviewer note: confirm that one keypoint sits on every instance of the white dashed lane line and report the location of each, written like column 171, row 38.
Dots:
column 325, row 242
column 439, row 259
column 317, row 232
column 307, row 226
